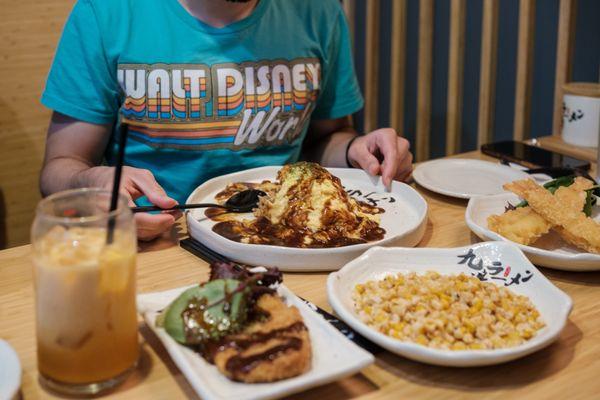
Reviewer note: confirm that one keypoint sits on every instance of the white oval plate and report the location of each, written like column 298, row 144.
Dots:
column 553, row 304
column 334, row 356
column 404, row 221
column 550, row 251
column 465, row 178
column 10, row 371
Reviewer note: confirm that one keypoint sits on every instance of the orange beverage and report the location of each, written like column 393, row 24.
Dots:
column 85, row 299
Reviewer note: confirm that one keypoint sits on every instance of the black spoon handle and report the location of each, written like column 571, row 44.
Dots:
column 177, row 207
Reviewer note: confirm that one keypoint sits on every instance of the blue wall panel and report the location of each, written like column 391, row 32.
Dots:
column 586, row 65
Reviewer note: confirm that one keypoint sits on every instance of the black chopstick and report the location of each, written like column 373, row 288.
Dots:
column 200, row 250
column 177, row 207
column 114, row 199
column 554, row 172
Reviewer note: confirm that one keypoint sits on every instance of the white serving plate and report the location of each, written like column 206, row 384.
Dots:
column 404, row 221
column 334, row 356
column 10, row 372
column 465, row 178
column 553, row 304
column 550, row 251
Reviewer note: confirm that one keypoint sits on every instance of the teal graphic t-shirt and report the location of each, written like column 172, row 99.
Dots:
column 203, row 101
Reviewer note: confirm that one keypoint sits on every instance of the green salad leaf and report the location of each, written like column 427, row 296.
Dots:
column 206, row 312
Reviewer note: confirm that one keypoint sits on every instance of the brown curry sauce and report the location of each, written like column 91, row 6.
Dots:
column 292, row 230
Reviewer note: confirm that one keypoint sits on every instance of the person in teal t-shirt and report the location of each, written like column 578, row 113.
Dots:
column 208, row 87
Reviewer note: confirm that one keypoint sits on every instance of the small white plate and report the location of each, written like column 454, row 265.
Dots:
column 553, row 304
column 549, row 251
column 404, row 221
column 465, row 178
column 334, row 356
column 10, row 371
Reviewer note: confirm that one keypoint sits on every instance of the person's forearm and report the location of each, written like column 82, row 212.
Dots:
column 63, row 174
column 73, row 149
column 331, row 150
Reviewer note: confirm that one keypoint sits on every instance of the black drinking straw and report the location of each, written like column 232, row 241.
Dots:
column 114, row 200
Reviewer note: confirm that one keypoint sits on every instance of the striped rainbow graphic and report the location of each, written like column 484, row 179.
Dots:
column 230, row 105
column 134, row 108
column 183, row 134
column 310, row 85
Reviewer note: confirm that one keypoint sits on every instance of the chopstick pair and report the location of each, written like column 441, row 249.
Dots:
column 202, row 251
column 554, row 172
column 176, row 207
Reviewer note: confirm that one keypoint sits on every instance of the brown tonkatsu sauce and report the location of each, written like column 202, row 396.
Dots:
column 210, row 349
column 239, row 365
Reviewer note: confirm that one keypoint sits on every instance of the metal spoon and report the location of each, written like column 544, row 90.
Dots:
column 240, row 202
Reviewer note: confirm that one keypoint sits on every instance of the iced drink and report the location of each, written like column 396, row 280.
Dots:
column 85, row 307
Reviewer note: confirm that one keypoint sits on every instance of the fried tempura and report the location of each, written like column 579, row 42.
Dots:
column 580, row 184
column 521, row 225
column 563, row 210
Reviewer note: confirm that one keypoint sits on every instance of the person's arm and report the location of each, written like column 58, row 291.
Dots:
column 74, row 151
column 72, row 147
column 381, row 152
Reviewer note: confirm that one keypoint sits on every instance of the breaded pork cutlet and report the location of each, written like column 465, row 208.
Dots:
column 271, row 349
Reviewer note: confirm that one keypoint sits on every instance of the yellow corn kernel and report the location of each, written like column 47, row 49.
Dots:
column 380, row 317
column 399, row 326
column 422, row 339
column 459, row 346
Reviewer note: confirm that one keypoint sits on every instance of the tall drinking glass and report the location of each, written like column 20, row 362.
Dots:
column 87, row 339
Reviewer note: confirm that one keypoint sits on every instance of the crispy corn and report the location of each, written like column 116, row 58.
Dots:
column 454, row 312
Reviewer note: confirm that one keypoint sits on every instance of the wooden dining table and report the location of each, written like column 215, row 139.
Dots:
column 569, row 368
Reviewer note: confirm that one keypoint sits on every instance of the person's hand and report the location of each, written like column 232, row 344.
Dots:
column 135, row 183
column 382, row 152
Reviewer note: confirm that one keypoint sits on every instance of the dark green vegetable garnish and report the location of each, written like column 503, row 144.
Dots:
column 205, row 312
column 219, row 307
column 590, row 201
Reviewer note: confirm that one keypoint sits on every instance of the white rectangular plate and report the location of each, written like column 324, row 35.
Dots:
column 334, row 356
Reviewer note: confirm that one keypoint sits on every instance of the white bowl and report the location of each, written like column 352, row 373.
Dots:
column 553, row 304
column 404, row 221
column 334, row 356
column 550, row 251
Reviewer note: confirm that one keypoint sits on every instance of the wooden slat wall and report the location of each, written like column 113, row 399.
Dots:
column 424, row 84
column 371, row 65
column 524, row 80
column 564, row 55
column 398, row 66
column 456, row 62
column 29, row 31
column 487, row 77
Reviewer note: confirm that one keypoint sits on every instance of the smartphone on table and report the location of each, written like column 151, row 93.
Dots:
column 531, row 156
